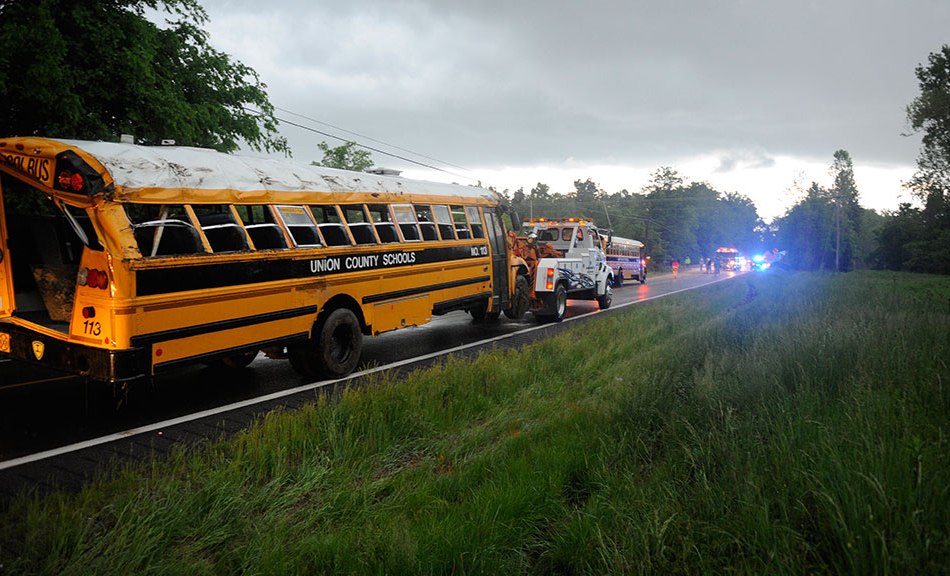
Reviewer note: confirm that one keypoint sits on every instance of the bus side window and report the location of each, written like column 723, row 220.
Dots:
column 461, row 223
column 221, row 228
column 383, row 223
column 426, row 222
column 303, row 231
column 359, row 224
column 331, row 225
column 264, row 231
column 163, row 230
column 443, row 219
column 406, row 218
column 475, row 221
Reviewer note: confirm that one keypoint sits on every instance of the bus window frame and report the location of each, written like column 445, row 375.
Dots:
column 409, row 210
column 313, row 225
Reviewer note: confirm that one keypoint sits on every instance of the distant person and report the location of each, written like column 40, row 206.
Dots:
column 676, row 268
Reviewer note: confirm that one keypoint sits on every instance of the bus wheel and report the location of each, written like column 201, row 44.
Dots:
column 334, row 350
column 480, row 313
column 605, row 300
column 521, row 300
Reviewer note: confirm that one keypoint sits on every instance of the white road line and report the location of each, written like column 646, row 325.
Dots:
column 14, row 462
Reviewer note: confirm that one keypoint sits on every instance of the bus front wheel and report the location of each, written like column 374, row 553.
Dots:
column 521, row 300
column 334, row 348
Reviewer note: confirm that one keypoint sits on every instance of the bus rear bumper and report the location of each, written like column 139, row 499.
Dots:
column 98, row 364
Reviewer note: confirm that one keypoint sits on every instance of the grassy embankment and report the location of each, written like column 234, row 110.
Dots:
column 773, row 424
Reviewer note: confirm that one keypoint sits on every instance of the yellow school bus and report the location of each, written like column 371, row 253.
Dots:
column 119, row 262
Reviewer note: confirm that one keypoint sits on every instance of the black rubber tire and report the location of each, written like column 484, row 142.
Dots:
column 607, row 298
column 521, row 300
column 555, row 306
column 333, row 350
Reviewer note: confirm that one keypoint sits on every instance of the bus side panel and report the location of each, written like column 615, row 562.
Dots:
column 408, row 311
column 164, row 352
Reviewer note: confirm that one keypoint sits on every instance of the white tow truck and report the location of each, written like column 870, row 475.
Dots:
column 566, row 260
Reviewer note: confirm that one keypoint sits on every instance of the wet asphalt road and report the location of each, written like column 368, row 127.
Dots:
column 59, row 412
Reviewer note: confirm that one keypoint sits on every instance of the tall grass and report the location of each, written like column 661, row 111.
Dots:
column 780, row 424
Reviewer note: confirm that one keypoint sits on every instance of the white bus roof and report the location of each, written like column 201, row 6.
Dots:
column 622, row 240
column 140, row 168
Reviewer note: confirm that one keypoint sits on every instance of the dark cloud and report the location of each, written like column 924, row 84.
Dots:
column 493, row 84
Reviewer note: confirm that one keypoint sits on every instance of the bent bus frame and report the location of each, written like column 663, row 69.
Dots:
column 119, row 262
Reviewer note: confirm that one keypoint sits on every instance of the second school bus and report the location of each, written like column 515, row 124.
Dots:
column 148, row 258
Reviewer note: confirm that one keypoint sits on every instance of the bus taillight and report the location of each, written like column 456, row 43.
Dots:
column 93, row 278
column 70, row 181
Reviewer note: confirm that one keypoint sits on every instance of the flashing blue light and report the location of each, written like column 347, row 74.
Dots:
column 758, row 258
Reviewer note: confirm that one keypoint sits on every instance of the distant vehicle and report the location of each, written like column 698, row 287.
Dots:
column 625, row 258
column 728, row 258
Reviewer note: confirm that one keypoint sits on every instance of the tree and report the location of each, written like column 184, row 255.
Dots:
column 919, row 239
column 585, row 192
column 930, row 112
column 98, row 68
column 346, row 156
column 844, row 194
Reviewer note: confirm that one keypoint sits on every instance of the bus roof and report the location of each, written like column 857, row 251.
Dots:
column 622, row 240
column 138, row 171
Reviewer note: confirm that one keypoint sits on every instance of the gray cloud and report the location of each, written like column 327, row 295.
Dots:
column 493, row 83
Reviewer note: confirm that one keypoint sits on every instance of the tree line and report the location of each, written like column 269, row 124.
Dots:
column 98, row 69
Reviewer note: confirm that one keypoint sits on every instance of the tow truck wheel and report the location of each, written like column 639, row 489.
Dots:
column 555, row 305
column 607, row 298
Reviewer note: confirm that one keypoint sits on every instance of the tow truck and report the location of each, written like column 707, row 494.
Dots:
column 565, row 259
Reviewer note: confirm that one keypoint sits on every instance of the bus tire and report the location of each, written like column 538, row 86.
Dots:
column 521, row 300
column 607, row 298
column 480, row 313
column 334, row 349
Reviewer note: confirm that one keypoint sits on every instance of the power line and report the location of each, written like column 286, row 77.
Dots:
column 371, row 139
column 383, row 152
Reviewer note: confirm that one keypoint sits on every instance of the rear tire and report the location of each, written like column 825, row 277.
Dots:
column 556, row 304
column 334, row 348
column 607, row 298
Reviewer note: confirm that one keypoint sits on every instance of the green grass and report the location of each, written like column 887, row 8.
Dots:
column 774, row 424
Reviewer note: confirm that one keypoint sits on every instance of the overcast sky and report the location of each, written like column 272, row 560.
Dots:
column 751, row 96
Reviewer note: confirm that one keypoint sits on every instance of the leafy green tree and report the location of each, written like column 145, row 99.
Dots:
column 98, row 68
column 346, row 156
column 844, row 194
column 912, row 238
column 586, row 192
column 930, row 112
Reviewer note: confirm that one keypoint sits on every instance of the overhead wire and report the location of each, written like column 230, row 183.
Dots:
column 377, row 150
